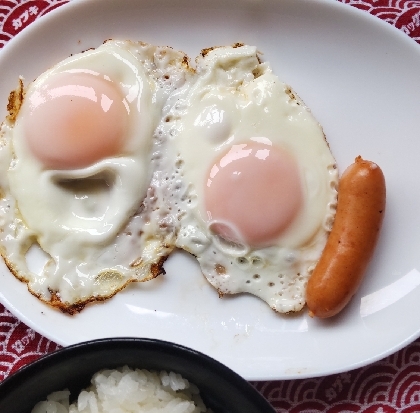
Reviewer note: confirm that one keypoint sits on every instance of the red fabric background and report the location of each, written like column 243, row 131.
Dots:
column 389, row 386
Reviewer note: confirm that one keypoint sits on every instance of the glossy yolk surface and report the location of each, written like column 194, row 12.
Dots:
column 253, row 192
column 75, row 120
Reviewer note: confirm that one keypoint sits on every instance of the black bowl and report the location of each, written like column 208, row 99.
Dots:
column 72, row 367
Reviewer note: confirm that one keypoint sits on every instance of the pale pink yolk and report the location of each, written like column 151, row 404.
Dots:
column 75, row 120
column 253, row 193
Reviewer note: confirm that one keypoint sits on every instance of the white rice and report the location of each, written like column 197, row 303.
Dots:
column 125, row 390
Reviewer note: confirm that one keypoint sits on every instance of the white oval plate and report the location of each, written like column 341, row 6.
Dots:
column 361, row 78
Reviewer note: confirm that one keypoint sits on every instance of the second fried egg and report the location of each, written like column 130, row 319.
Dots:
column 259, row 179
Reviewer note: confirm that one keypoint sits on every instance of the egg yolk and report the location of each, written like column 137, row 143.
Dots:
column 253, row 193
column 76, row 119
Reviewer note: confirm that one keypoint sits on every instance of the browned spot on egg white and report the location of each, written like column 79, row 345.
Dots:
column 136, row 263
column 209, row 49
column 290, row 93
column 11, row 267
column 72, row 309
column 157, row 268
column 15, row 101
column 186, row 63
column 220, row 269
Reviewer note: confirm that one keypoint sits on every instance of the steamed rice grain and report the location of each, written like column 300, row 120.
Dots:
column 126, row 390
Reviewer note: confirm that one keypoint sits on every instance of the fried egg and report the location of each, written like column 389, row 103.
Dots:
column 117, row 155
column 81, row 165
column 259, row 182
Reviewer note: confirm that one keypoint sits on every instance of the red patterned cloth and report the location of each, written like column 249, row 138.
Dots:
column 389, row 386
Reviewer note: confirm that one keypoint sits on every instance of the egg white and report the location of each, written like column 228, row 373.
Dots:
column 236, row 98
